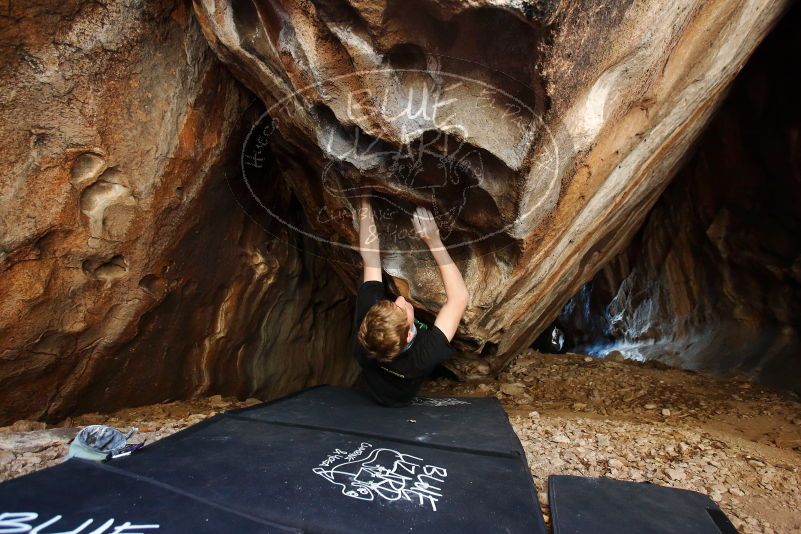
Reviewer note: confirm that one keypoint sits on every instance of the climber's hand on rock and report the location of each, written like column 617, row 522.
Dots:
column 426, row 226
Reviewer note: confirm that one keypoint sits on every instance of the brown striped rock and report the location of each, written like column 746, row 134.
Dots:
column 128, row 273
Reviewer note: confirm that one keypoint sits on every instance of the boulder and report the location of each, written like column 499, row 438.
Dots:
column 164, row 233
column 539, row 133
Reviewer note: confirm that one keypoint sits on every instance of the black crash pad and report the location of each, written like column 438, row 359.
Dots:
column 81, row 493
column 582, row 505
column 327, row 460
column 474, row 424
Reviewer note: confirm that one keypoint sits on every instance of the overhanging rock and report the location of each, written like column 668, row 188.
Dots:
column 539, row 133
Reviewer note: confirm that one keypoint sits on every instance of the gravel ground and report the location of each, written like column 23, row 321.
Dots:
column 733, row 440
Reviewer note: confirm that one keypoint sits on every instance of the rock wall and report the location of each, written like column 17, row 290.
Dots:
column 154, row 246
column 128, row 272
column 539, row 133
column 713, row 279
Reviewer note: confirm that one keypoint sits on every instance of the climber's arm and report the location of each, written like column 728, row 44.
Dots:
column 456, row 295
column 368, row 242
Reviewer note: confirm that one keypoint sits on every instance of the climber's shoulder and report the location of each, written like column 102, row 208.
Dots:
column 430, row 348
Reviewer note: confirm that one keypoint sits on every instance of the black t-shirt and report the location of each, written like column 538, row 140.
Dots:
column 396, row 383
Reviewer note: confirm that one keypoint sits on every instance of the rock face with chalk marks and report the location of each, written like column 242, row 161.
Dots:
column 128, row 273
column 539, row 133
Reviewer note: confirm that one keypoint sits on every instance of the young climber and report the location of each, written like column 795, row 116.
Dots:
column 395, row 351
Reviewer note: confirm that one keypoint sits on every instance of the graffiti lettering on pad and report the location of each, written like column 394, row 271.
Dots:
column 368, row 473
column 19, row 522
column 438, row 402
column 340, row 454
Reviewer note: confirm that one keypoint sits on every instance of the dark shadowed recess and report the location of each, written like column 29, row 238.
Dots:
column 290, row 329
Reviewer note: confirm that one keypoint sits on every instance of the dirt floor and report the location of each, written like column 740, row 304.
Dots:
column 735, row 441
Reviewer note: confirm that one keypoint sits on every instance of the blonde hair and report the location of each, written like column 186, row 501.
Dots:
column 383, row 331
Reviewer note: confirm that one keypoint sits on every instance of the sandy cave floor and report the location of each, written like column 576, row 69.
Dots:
column 738, row 442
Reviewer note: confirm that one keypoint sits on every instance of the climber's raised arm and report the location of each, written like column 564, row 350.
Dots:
column 368, row 241
column 456, row 293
